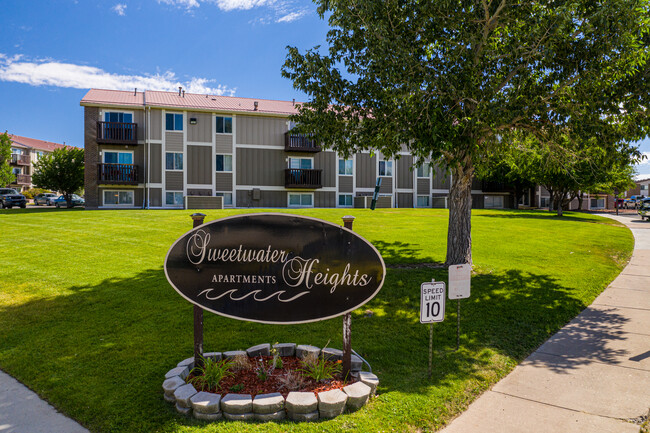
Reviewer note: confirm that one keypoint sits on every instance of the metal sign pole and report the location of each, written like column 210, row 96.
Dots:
column 198, row 219
column 458, row 325
column 430, row 348
column 347, row 322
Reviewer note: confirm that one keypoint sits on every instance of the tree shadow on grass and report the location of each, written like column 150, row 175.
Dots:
column 402, row 252
column 541, row 215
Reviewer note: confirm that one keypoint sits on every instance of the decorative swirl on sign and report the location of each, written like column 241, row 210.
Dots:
column 232, row 292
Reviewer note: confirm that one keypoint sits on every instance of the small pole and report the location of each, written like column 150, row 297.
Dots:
column 430, row 348
column 198, row 219
column 457, row 324
column 347, row 322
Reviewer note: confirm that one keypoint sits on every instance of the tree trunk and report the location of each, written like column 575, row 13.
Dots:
column 459, row 237
column 580, row 199
column 559, row 201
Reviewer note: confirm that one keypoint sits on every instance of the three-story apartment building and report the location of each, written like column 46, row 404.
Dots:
column 155, row 149
column 24, row 152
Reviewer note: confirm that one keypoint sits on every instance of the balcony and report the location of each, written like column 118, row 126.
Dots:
column 23, row 179
column 300, row 143
column 20, row 159
column 303, row 178
column 117, row 133
column 117, row 174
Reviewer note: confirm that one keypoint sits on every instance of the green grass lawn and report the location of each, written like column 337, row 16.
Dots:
column 88, row 320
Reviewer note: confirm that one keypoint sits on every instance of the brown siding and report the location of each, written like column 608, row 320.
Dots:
column 386, row 185
column 224, row 182
column 267, row 199
column 478, row 202
column 404, row 199
column 346, row 184
column 91, row 157
column 199, row 165
column 155, row 197
column 155, row 165
column 424, row 187
column 404, row 173
column 174, row 180
column 138, row 118
column 325, row 199
column 202, row 131
column 204, row 202
column 327, row 162
column 173, row 142
column 260, row 167
column 138, row 197
column 365, row 170
column 200, row 192
column 224, row 143
column 440, row 177
column 261, row 130
column 155, row 128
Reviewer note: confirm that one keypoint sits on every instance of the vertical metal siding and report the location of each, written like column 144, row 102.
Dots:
column 224, row 182
column 328, row 163
column 346, row 184
column 224, row 143
column 202, row 131
column 441, row 179
column 199, row 165
column 173, row 142
column 260, row 167
column 366, row 170
column 155, row 127
column 138, row 197
column 174, row 180
column 404, row 199
column 386, row 185
column 261, row 130
column 267, row 199
column 404, row 173
column 155, row 163
column 155, row 197
column 424, row 186
column 138, row 118
column 324, row 199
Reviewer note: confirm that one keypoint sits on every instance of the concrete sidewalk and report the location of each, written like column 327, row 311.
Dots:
column 592, row 376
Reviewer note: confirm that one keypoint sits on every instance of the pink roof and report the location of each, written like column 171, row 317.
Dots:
column 47, row 146
column 190, row 101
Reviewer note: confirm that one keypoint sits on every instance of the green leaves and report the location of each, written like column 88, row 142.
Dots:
column 62, row 170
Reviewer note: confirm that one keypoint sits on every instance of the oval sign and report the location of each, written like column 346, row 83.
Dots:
column 275, row 268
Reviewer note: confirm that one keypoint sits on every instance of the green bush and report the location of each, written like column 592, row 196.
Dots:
column 33, row 192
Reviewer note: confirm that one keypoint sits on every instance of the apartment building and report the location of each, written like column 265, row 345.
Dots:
column 24, row 152
column 158, row 149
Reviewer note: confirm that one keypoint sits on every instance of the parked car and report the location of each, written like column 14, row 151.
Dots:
column 76, row 201
column 644, row 209
column 633, row 202
column 9, row 198
column 46, row 198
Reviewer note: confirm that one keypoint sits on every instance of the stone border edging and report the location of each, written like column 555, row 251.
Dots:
column 298, row 406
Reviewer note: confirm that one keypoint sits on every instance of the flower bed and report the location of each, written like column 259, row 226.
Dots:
column 265, row 383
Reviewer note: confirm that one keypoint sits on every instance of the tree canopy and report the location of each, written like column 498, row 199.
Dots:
column 62, row 170
column 448, row 79
column 6, row 176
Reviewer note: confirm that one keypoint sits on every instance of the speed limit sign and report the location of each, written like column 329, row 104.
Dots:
column 432, row 302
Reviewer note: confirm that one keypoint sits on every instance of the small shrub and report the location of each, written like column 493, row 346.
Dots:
column 320, row 370
column 262, row 371
column 292, row 381
column 210, row 375
column 237, row 388
column 241, row 362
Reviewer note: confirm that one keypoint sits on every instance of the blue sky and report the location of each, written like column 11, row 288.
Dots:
column 52, row 52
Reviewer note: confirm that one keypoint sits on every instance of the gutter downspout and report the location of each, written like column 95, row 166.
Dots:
column 145, row 198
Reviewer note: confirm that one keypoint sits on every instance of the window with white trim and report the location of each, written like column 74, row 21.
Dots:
column 174, row 198
column 118, row 198
column 173, row 161
column 385, row 168
column 118, row 116
column 224, row 125
column 173, row 122
column 227, row 198
column 224, row 162
column 346, row 167
column 345, row 200
column 115, row 157
column 423, row 201
column 303, row 163
column 493, row 202
column 597, row 203
column 301, row 199
column 424, row 170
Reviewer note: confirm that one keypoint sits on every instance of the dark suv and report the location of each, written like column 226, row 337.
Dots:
column 10, row 197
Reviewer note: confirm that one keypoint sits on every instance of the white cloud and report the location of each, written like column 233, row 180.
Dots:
column 282, row 11
column 292, row 16
column 188, row 4
column 48, row 72
column 119, row 9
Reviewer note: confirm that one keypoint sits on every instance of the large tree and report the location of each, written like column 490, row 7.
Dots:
column 450, row 78
column 62, row 170
column 6, row 176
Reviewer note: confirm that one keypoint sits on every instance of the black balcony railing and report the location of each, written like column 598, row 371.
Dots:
column 303, row 178
column 20, row 159
column 23, row 179
column 117, row 174
column 300, row 143
column 117, row 133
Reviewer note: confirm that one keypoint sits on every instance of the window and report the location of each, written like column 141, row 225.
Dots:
column 227, row 198
column 224, row 125
column 113, row 116
column 544, row 201
column 643, row 187
column 16, row 170
column 304, row 163
column 345, row 166
column 423, row 201
column 174, row 198
column 493, row 202
column 301, row 200
column 111, row 157
column 597, row 203
column 224, row 163
column 385, row 168
column 173, row 122
column 15, row 151
column 345, row 200
column 117, row 198
column 174, row 161
column 424, row 170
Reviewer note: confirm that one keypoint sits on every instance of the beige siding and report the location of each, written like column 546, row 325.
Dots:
column 404, row 199
column 327, row 162
column 267, row 199
column 386, row 185
column 202, row 131
column 260, row 167
column 261, row 130
column 324, row 199
column 155, row 159
column 155, row 197
column 346, row 183
column 174, row 180
column 441, row 179
column 224, row 143
column 224, row 182
column 404, row 173
column 173, row 141
column 366, row 170
column 155, row 127
column 199, row 165
column 138, row 118
column 424, row 186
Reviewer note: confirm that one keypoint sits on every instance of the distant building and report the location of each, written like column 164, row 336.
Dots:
column 24, row 152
